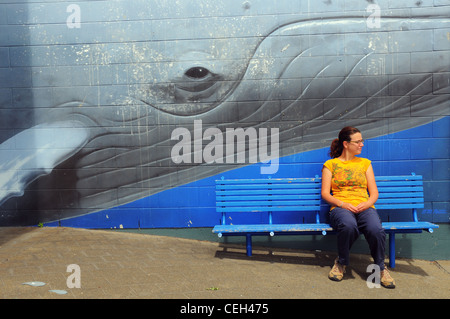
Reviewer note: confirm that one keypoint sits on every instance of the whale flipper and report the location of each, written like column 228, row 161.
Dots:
column 34, row 152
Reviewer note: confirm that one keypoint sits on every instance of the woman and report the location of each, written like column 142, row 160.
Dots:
column 348, row 185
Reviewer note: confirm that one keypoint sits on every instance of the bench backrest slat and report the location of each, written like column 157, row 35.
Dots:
column 262, row 186
column 400, row 192
column 270, row 203
column 267, row 197
column 400, row 195
column 266, row 180
column 268, row 192
column 399, row 200
column 399, row 178
column 257, row 209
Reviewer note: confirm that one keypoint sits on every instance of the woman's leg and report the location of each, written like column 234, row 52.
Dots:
column 344, row 222
column 370, row 225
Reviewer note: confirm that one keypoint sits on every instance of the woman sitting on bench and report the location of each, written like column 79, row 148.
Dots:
column 347, row 181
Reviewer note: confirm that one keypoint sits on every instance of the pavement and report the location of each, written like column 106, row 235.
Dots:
column 109, row 265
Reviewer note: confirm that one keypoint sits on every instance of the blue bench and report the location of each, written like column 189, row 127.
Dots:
column 275, row 195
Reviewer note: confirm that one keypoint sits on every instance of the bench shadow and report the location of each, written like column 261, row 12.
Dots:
column 277, row 255
column 358, row 262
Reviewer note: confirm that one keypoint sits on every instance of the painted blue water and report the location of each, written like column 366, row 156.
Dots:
column 424, row 150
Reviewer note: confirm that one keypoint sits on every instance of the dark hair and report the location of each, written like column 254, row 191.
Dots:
column 337, row 146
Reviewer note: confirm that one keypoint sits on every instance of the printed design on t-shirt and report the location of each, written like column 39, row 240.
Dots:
column 348, row 179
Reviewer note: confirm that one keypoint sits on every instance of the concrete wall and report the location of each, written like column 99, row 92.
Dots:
column 122, row 113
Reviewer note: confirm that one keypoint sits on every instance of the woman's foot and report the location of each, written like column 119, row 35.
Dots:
column 386, row 280
column 337, row 271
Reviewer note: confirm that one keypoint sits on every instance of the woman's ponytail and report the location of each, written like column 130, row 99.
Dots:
column 337, row 146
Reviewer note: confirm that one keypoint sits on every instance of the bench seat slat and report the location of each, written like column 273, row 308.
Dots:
column 224, row 229
column 267, row 228
column 408, row 225
column 313, row 227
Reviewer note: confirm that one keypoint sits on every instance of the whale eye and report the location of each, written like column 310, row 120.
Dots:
column 197, row 72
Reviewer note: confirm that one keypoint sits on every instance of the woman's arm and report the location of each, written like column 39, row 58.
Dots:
column 372, row 188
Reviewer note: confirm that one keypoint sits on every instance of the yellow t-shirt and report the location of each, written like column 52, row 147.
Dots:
column 348, row 181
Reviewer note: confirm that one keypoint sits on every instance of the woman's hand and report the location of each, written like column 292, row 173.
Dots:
column 362, row 206
column 356, row 209
column 350, row 207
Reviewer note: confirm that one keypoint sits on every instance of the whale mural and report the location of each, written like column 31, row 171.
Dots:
column 93, row 109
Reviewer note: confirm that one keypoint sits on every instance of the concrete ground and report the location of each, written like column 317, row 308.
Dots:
column 129, row 265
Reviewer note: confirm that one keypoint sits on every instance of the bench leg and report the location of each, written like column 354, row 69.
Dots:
column 392, row 250
column 249, row 244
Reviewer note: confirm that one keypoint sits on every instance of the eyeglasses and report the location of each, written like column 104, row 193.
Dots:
column 357, row 142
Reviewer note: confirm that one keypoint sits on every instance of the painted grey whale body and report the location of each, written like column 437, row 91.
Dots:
column 298, row 78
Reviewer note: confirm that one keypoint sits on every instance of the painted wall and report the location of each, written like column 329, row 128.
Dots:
column 123, row 113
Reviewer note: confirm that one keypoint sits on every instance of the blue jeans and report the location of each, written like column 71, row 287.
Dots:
column 349, row 225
